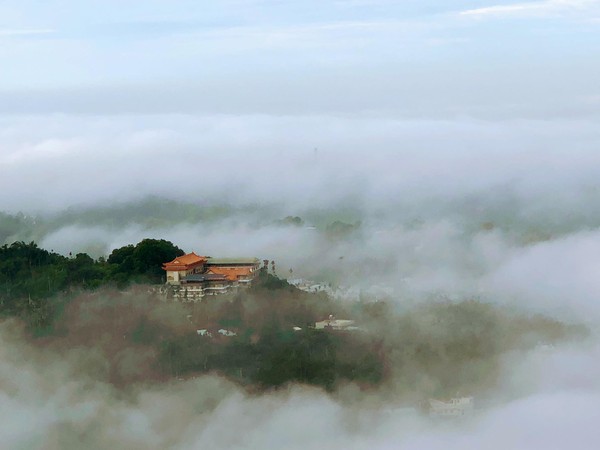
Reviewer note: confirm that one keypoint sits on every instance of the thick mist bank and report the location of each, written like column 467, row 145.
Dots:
column 504, row 211
column 369, row 161
column 434, row 165
column 63, row 389
column 436, row 348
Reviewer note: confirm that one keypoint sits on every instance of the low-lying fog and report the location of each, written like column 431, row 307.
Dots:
column 404, row 151
column 502, row 210
column 549, row 399
column 505, row 212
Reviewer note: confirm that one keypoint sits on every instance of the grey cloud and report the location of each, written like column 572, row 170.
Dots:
column 559, row 275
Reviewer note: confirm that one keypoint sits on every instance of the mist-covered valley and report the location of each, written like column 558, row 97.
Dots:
column 423, row 175
column 487, row 291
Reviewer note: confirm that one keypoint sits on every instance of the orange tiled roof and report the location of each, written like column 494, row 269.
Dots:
column 232, row 273
column 184, row 262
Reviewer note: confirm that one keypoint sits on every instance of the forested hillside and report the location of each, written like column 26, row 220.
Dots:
column 267, row 336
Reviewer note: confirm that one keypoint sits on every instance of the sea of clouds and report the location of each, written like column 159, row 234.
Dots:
column 504, row 211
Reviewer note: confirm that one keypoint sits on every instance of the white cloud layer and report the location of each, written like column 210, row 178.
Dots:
column 24, row 32
column 468, row 148
column 59, row 161
column 536, row 9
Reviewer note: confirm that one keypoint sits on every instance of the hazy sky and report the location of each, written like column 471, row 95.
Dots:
column 418, row 58
column 106, row 100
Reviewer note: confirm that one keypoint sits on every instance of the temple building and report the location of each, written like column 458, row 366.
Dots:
column 237, row 270
column 191, row 276
column 182, row 266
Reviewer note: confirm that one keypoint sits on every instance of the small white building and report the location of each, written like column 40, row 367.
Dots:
column 455, row 407
column 312, row 287
column 336, row 324
column 228, row 333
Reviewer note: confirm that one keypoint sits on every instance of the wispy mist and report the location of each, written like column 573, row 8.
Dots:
column 55, row 402
column 410, row 155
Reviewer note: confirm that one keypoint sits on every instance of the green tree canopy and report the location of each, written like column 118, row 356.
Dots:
column 144, row 259
column 118, row 255
column 150, row 254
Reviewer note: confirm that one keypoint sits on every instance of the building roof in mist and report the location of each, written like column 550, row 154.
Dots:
column 336, row 324
column 232, row 273
column 184, row 262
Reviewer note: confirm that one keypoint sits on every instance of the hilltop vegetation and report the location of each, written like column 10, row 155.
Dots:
column 436, row 349
column 31, row 277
